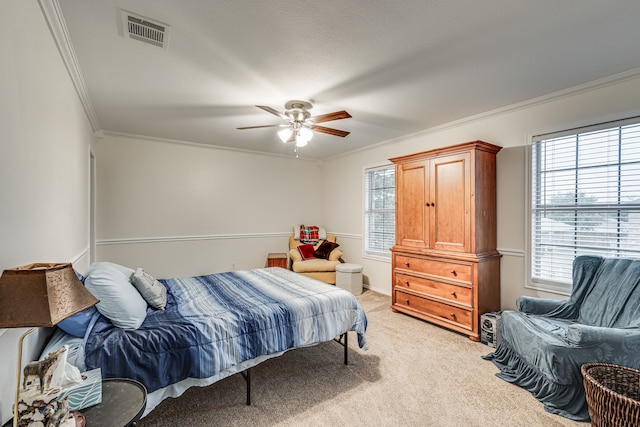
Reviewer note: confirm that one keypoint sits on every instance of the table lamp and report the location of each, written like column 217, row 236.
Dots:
column 39, row 295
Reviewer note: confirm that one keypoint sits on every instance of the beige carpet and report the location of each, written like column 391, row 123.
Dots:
column 414, row 374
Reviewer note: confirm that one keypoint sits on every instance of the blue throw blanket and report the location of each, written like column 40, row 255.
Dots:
column 214, row 322
column 546, row 342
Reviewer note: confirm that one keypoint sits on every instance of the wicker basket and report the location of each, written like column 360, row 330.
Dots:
column 613, row 394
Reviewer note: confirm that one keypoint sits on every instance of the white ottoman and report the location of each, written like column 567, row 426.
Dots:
column 349, row 277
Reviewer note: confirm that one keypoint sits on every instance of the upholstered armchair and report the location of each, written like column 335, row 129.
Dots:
column 546, row 342
column 319, row 268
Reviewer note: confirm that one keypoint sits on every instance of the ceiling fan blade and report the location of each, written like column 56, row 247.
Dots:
column 336, row 115
column 263, row 126
column 330, row 131
column 273, row 111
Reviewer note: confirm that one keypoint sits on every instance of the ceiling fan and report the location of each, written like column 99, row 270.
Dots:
column 300, row 123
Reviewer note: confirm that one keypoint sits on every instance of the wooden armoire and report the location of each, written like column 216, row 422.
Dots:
column 445, row 265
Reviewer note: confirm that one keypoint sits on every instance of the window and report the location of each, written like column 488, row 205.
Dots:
column 379, row 210
column 585, row 199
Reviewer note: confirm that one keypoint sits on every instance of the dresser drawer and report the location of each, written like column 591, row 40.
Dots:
column 444, row 269
column 459, row 294
column 440, row 311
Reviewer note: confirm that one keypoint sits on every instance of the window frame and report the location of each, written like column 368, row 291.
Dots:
column 562, row 287
column 367, row 252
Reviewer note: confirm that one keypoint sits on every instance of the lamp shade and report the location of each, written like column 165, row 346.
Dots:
column 41, row 295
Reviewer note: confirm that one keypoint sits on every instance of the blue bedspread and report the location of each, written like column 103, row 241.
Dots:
column 214, row 322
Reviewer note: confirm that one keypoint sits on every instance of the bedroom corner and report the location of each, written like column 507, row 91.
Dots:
column 44, row 165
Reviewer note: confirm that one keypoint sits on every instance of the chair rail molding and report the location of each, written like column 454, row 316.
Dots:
column 346, row 235
column 164, row 239
column 512, row 252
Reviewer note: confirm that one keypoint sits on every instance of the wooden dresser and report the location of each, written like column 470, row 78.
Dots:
column 445, row 265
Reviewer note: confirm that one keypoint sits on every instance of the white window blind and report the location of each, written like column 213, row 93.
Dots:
column 379, row 210
column 585, row 198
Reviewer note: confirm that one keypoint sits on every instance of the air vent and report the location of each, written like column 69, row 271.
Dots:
column 144, row 29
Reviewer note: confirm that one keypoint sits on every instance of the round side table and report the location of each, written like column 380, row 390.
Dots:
column 123, row 402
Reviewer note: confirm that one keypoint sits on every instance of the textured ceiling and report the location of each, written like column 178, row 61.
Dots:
column 397, row 67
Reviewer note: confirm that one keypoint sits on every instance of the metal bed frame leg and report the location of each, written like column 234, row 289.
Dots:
column 346, row 349
column 247, row 377
column 345, row 343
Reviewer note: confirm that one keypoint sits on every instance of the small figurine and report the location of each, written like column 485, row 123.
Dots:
column 43, row 370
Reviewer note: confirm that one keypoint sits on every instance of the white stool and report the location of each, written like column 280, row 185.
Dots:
column 349, row 277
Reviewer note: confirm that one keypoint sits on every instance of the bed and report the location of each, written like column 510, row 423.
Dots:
column 211, row 327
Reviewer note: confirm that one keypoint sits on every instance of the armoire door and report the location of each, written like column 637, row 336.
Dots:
column 411, row 209
column 450, row 202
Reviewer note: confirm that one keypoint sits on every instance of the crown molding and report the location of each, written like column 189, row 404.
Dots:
column 202, row 145
column 529, row 103
column 53, row 15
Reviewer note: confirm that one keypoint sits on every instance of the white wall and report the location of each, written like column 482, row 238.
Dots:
column 44, row 158
column 180, row 210
column 510, row 128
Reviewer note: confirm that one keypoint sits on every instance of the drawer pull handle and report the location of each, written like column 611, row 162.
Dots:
column 453, row 315
column 407, row 301
column 408, row 284
column 454, row 272
column 407, row 264
column 453, row 294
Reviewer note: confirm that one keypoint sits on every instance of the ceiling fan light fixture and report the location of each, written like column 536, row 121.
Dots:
column 285, row 134
column 300, row 125
column 303, row 137
column 297, row 114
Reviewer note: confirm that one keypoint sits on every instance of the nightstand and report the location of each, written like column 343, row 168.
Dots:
column 123, row 403
column 277, row 260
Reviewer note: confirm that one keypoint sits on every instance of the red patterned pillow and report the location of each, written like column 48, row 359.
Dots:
column 306, row 251
column 309, row 234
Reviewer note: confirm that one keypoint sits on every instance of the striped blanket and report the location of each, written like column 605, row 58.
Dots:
column 214, row 322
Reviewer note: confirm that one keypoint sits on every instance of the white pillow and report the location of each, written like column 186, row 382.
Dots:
column 151, row 290
column 120, row 302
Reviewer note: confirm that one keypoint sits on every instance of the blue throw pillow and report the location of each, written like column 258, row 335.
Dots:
column 77, row 324
column 80, row 276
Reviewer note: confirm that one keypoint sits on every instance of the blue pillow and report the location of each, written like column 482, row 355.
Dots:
column 77, row 324
column 79, row 275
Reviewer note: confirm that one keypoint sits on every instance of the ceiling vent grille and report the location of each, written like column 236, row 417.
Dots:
column 144, row 29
